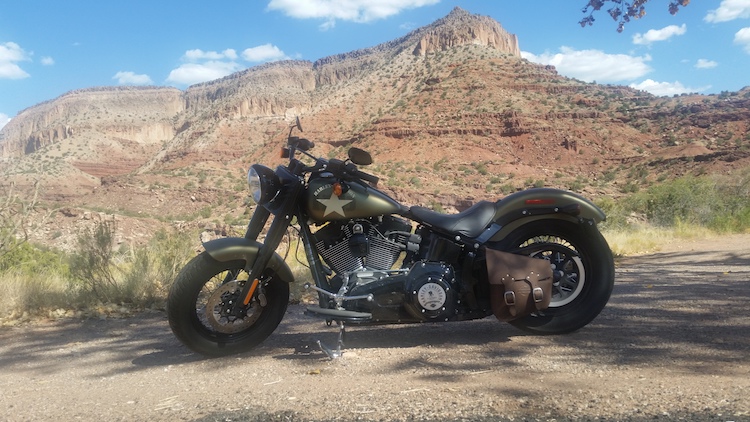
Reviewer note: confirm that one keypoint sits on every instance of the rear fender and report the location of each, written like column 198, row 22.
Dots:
column 232, row 248
column 543, row 204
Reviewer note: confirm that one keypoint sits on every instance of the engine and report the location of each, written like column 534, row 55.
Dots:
column 363, row 253
column 367, row 244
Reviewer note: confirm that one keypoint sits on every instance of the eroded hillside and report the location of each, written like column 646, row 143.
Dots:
column 451, row 113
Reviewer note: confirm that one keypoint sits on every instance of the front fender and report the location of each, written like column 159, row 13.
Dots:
column 544, row 203
column 232, row 248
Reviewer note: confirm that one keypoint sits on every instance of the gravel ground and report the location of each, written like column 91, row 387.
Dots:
column 673, row 344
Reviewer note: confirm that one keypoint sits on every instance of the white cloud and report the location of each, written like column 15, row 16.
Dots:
column 594, row 65
column 263, row 53
column 653, row 35
column 130, row 78
column 4, row 119
column 729, row 10
column 193, row 73
column 705, row 64
column 198, row 55
column 742, row 37
column 666, row 88
column 10, row 54
column 360, row 11
column 203, row 66
column 47, row 61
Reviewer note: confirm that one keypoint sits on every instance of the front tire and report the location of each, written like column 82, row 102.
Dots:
column 198, row 307
column 583, row 270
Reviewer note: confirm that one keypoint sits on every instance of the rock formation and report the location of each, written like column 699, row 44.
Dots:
column 460, row 28
column 138, row 114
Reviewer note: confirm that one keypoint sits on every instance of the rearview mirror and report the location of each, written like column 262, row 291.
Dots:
column 360, row 157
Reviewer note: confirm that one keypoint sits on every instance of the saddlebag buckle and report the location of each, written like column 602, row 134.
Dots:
column 510, row 298
column 519, row 285
column 538, row 294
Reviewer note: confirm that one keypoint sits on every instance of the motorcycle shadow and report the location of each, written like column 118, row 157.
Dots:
column 300, row 334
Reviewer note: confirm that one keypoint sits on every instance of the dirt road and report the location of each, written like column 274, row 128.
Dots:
column 673, row 344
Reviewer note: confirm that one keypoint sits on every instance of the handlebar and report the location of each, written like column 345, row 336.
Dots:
column 348, row 170
column 352, row 169
column 343, row 169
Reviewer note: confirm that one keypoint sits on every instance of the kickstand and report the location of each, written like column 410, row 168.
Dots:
column 333, row 354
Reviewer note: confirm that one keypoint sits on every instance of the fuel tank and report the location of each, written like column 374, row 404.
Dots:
column 328, row 199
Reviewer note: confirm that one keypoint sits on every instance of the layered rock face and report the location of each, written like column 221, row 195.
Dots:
column 264, row 90
column 460, row 28
column 153, row 115
column 137, row 114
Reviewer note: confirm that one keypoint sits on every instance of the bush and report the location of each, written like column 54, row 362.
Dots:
column 15, row 210
column 152, row 268
column 92, row 265
column 718, row 202
column 140, row 276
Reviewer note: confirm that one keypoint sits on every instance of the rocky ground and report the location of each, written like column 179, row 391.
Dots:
column 673, row 344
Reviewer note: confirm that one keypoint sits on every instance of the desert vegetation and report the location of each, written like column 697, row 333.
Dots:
column 99, row 279
column 464, row 121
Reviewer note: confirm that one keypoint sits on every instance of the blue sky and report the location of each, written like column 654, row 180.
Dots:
column 50, row 47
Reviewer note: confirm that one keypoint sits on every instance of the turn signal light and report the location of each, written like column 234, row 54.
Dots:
column 337, row 189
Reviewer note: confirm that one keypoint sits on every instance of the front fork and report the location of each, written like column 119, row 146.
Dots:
column 265, row 253
column 273, row 238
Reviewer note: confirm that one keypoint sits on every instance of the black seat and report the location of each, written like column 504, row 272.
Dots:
column 470, row 222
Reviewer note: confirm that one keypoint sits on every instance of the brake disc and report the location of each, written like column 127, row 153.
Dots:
column 220, row 302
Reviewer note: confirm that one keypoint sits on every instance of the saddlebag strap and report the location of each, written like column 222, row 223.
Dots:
column 536, row 293
column 519, row 285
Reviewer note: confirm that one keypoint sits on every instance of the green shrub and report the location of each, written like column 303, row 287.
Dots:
column 92, row 266
column 139, row 276
column 718, row 202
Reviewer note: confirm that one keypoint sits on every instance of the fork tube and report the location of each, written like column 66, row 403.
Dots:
column 316, row 267
column 268, row 248
column 257, row 222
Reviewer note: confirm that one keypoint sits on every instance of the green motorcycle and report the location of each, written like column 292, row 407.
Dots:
column 534, row 259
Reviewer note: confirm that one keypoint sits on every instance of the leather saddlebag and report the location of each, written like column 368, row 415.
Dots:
column 519, row 285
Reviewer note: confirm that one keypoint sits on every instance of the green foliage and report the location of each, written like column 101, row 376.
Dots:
column 92, row 265
column 15, row 208
column 150, row 270
column 139, row 276
column 32, row 260
column 720, row 203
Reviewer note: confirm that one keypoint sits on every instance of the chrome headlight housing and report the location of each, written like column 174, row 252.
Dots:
column 263, row 183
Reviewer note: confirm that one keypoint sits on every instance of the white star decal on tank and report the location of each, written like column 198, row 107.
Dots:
column 334, row 204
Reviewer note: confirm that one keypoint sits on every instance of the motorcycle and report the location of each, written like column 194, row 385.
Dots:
column 534, row 259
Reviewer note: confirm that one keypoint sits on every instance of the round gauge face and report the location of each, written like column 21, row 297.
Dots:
column 431, row 296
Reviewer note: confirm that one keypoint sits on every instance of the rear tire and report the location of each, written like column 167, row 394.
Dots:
column 583, row 270
column 198, row 303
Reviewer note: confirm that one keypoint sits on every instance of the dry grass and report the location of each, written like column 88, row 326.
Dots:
column 23, row 295
column 649, row 239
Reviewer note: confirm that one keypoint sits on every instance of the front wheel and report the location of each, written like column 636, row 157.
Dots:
column 201, row 312
column 583, row 272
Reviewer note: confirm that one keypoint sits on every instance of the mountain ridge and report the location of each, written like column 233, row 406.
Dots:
column 450, row 111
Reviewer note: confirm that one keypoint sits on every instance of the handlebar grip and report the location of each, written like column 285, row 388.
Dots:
column 368, row 177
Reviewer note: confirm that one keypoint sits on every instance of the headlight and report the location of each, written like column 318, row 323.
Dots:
column 263, row 183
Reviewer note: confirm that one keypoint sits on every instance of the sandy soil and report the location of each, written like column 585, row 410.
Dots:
column 673, row 344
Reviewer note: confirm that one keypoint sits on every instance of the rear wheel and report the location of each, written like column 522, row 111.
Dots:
column 201, row 312
column 583, row 271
